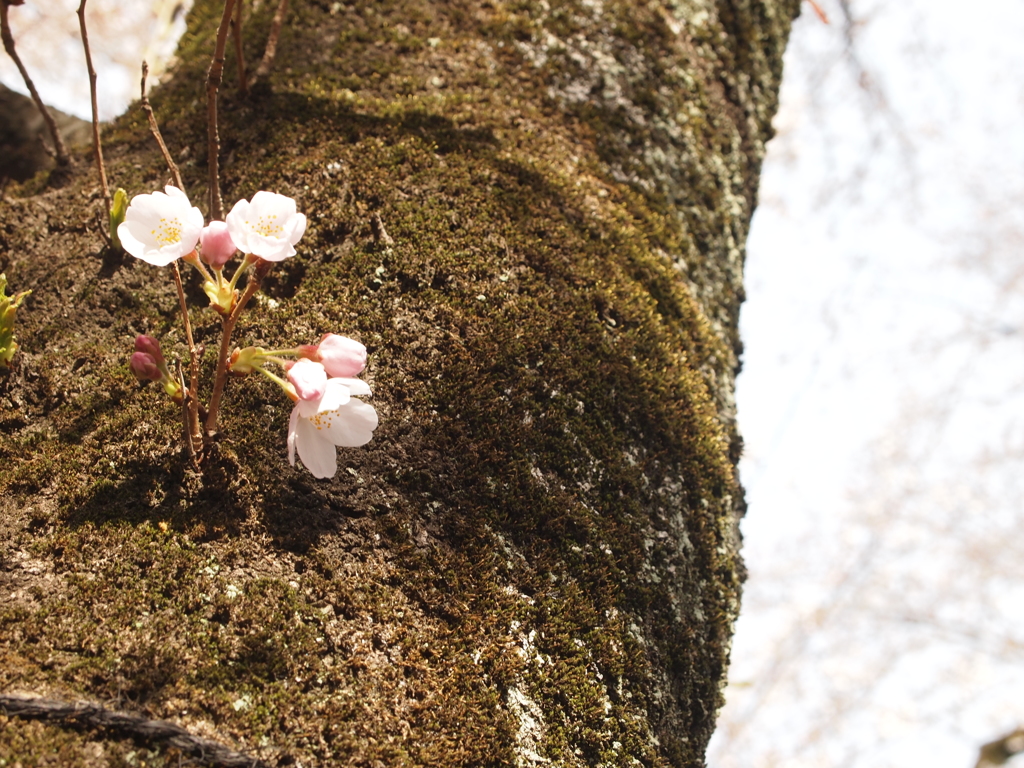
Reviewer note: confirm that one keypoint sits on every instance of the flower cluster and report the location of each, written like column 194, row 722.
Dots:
column 326, row 412
column 322, row 382
column 163, row 227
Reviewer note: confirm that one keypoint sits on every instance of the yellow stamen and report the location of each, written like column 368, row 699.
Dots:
column 168, row 232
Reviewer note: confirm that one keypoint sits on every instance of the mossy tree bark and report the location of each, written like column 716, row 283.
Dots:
column 536, row 558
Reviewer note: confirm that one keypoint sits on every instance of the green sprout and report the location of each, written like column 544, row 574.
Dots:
column 8, row 305
column 117, row 211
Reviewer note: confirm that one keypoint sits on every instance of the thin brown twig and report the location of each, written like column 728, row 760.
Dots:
column 271, row 50
column 1000, row 751
column 97, row 145
column 195, row 436
column 221, row 371
column 236, row 33
column 213, row 80
column 85, row 714
column 819, row 11
column 63, row 158
column 155, row 130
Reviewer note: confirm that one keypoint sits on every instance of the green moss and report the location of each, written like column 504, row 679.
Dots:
column 538, row 550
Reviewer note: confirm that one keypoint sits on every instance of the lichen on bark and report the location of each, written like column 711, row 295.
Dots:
column 536, row 558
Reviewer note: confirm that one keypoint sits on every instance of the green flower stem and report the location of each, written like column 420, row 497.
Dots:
column 262, row 268
column 276, row 379
column 249, row 259
column 275, row 356
column 193, row 260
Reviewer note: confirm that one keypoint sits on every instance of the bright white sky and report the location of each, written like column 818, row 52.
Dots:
column 881, row 399
column 122, row 33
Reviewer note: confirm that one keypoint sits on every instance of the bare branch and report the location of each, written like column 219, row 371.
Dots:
column 155, row 130
column 875, row 93
column 1000, row 751
column 63, row 158
column 236, row 33
column 84, row 714
column 213, row 80
column 191, row 414
column 271, row 50
column 97, row 146
column 819, row 11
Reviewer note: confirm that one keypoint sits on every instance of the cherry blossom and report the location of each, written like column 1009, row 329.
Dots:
column 160, row 227
column 268, row 227
column 341, row 356
column 217, row 247
column 318, row 427
column 308, row 378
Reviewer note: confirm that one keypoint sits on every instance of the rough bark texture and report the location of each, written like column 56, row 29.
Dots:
column 536, row 559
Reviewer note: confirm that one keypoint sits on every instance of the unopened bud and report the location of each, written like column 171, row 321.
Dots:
column 145, row 367
column 217, row 247
column 308, row 378
column 151, row 347
column 342, row 357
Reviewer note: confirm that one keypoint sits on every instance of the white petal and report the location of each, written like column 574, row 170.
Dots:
column 350, row 426
column 335, row 396
column 316, row 453
column 270, row 248
column 293, row 433
column 164, row 256
column 161, row 227
column 136, row 239
column 148, row 205
column 272, row 204
column 307, row 408
column 236, row 225
column 356, row 387
column 298, row 228
column 129, row 242
column 193, row 220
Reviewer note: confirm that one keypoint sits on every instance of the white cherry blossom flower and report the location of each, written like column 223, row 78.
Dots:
column 268, row 227
column 318, row 426
column 160, row 227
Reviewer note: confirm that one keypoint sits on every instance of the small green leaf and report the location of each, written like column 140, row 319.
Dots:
column 117, row 211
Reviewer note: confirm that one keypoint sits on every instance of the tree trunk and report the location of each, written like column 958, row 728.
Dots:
column 536, row 558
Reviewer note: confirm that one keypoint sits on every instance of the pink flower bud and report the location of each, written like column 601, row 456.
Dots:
column 342, row 357
column 151, row 347
column 217, row 245
column 145, row 367
column 309, row 379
